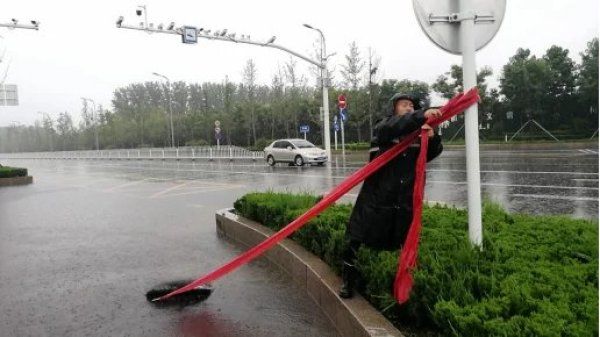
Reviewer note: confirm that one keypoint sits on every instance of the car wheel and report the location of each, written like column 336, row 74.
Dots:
column 321, row 164
column 298, row 161
column 271, row 160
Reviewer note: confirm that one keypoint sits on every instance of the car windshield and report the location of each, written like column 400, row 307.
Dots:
column 303, row 144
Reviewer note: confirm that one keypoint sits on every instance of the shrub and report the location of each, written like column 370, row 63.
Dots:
column 9, row 172
column 197, row 142
column 536, row 275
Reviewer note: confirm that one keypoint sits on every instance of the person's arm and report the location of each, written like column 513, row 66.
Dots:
column 435, row 143
column 435, row 147
column 394, row 126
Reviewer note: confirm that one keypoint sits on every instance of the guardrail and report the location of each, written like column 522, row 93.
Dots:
column 183, row 153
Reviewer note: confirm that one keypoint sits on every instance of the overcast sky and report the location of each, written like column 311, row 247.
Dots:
column 78, row 51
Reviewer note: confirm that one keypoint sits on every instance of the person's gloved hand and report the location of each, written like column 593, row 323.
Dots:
column 433, row 114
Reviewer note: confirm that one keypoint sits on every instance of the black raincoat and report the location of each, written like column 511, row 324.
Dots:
column 383, row 211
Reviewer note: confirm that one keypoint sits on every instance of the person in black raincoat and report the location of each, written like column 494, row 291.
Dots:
column 382, row 213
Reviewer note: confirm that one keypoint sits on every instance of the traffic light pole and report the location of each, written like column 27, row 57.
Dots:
column 200, row 33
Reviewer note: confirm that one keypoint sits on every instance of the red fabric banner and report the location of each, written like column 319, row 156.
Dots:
column 408, row 255
column 456, row 105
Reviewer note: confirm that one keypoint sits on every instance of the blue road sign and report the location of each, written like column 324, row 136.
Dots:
column 304, row 129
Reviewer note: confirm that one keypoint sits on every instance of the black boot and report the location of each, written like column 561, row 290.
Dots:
column 349, row 274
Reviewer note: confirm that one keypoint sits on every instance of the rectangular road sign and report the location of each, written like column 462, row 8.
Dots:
column 8, row 95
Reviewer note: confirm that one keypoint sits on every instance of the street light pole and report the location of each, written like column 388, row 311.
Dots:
column 325, row 86
column 170, row 107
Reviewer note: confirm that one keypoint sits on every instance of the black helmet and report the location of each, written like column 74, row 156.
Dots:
column 415, row 101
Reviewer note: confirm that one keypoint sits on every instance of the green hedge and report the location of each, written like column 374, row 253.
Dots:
column 536, row 276
column 9, row 172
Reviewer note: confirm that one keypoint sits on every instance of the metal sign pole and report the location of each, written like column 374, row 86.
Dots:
column 326, row 127
column 335, row 140
column 343, row 139
column 335, row 130
column 467, row 43
column 462, row 32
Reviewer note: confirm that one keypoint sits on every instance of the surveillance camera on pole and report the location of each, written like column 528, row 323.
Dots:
column 14, row 24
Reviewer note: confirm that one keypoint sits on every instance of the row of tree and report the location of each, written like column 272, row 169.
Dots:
column 553, row 90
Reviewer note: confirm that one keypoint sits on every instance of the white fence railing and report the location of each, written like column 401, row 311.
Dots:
column 182, row 153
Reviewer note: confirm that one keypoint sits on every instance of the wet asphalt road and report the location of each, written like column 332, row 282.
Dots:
column 80, row 247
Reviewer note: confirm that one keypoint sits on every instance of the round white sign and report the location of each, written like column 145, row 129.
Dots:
column 440, row 20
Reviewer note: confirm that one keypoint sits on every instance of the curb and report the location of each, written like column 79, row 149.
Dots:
column 14, row 181
column 351, row 317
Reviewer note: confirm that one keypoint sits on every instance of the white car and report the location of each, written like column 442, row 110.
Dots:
column 295, row 151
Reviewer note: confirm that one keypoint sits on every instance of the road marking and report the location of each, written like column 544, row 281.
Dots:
column 131, row 183
column 519, row 172
column 558, row 197
column 515, row 185
column 198, row 192
column 349, row 169
column 588, row 151
column 158, row 194
column 344, row 177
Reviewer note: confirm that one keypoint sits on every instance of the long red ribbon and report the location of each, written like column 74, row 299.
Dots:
column 408, row 256
column 456, row 105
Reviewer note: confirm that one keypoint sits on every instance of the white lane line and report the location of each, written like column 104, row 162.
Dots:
column 515, row 185
column 519, row 172
column 199, row 191
column 558, row 197
column 234, row 172
column 131, row 183
column 344, row 177
column 582, row 179
column 355, row 168
column 158, row 194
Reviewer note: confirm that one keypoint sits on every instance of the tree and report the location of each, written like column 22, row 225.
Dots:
column 291, row 96
column 374, row 62
column 523, row 82
column 250, row 83
column 588, row 82
column 351, row 71
column 64, row 127
column 451, row 82
column 560, row 86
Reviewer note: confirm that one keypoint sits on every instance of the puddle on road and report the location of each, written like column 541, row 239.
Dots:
column 189, row 298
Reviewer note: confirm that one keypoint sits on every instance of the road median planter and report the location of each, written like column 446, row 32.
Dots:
column 535, row 276
column 355, row 317
column 12, row 176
